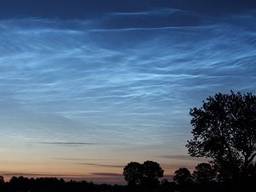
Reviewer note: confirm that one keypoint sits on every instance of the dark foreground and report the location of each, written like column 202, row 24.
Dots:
column 22, row 184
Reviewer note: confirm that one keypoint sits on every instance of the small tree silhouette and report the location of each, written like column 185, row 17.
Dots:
column 182, row 176
column 146, row 174
column 224, row 130
column 151, row 173
column 1, row 180
column 133, row 173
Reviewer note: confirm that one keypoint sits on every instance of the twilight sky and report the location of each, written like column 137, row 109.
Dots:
column 89, row 85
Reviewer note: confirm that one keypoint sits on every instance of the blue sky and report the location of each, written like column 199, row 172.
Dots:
column 87, row 86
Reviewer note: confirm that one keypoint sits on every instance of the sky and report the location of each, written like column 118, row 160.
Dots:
column 90, row 85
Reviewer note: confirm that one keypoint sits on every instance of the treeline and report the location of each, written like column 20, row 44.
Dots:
column 146, row 177
column 23, row 184
column 224, row 131
column 205, row 177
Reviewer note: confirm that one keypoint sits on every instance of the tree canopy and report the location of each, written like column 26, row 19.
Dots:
column 133, row 173
column 204, row 173
column 152, row 171
column 146, row 174
column 182, row 176
column 224, row 130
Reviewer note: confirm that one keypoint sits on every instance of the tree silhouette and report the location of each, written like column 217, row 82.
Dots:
column 151, row 173
column 182, row 176
column 133, row 173
column 1, row 180
column 2, row 183
column 204, row 173
column 146, row 174
column 224, row 130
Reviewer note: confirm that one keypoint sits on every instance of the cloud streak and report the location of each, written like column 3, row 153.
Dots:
column 107, row 174
column 67, row 143
column 102, row 165
column 182, row 158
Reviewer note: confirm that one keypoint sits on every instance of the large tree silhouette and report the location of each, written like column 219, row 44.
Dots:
column 224, row 130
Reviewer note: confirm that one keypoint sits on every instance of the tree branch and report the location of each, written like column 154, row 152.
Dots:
column 252, row 157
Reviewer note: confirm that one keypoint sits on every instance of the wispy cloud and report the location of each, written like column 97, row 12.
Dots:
column 80, row 159
column 182, row 158
column 32, row 174
column 179, row 157
column 161, row 18
column 67, row 143
column 107, row 174
column 102, row 165
column 166, row 11
column 87, row 9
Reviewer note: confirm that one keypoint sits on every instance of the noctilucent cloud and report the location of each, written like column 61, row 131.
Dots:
column 88, row 86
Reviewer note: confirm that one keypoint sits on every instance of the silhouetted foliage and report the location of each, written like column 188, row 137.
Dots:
column 204, row 173
column 182, row 176
column 146, row 174
column 167, row 186
column 133, row 173
column 224, row 130
column 22, row 184
column 152, row 172
column 1, row 180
